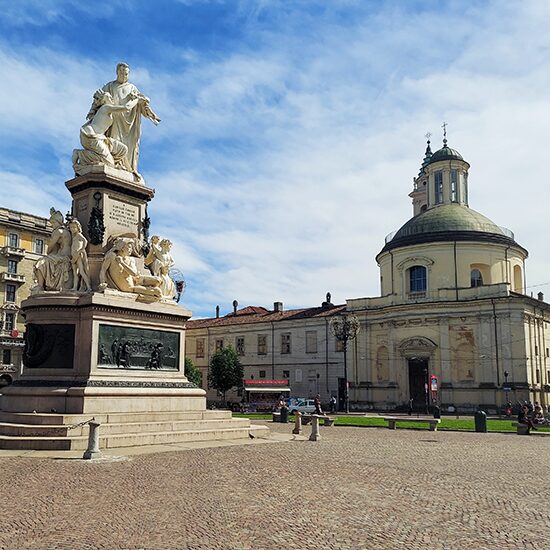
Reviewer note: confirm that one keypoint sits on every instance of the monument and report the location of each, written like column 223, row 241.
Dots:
column 104, row 336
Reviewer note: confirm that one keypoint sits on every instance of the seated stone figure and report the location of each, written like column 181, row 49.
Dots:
column 53, row 271
column 159, row 260
column 98, row 148
column 119, row 271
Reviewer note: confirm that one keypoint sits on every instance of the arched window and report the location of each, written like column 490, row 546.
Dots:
column 475, row 278
column 438, row 187
column 417, row 278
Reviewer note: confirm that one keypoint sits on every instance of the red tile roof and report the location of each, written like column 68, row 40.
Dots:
column 257, row 314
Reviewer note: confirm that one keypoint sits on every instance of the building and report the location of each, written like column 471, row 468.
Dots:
column 275, row 345
column 23, row 239
column 453, row 315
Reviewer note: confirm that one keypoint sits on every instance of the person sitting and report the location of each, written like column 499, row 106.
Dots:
column 524, row 418
column 538, row 415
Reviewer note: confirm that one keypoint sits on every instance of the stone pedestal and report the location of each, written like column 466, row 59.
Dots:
column 122, row 202
column 95, row 353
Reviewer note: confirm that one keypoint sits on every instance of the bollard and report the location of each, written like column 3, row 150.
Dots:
column 297, row 423
column 480, row 420
column 93, row 441
column 315, row 435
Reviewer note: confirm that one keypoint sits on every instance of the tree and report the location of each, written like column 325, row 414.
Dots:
column 226, row 371
column 193, row 374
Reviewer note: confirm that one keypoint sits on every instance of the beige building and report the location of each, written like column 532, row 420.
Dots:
column 452, row 306
column 273, row 345
column 23, row 239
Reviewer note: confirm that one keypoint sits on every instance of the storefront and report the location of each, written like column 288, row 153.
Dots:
column 263, row 395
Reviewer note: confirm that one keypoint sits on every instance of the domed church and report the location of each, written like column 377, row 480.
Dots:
column 453, row 324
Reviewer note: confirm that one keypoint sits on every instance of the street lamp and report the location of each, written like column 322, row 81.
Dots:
column 426, row 389
column 506, row 387
column 345, row 328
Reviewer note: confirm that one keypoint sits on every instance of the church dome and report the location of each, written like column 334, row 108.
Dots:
column 449, row 222
column 445, row 153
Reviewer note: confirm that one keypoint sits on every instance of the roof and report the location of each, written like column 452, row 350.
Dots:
column 257, row 314
column 450, row 222
column 445, row 153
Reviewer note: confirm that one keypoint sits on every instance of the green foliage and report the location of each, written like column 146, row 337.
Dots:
column 193, row 374
column 226, row 371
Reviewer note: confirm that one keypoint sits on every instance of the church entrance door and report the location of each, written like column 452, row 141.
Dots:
column 418, row 380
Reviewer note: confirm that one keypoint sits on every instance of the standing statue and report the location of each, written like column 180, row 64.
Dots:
column 79, row 257
column 159, row 261
column 126, row 126
column 119, row 271
column 53, row 271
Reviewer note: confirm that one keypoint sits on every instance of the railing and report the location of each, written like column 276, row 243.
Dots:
column 7, row 277
column 12, row 251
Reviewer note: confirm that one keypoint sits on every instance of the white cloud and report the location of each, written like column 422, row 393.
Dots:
column 279, row 169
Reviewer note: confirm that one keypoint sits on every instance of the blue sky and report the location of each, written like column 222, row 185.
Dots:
column 290, row 130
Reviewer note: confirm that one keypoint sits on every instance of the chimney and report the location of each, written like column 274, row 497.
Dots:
column 235, row 305
column 540, row 296
column 217, row 312
column 278, row 307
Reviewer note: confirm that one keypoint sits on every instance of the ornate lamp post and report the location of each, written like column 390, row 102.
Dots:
column 345, row 328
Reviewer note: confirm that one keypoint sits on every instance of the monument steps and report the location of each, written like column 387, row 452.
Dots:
column 127, row 439
column 111, row 418
column 57, row 430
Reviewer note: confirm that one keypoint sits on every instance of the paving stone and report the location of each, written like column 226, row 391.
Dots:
column 356, row 488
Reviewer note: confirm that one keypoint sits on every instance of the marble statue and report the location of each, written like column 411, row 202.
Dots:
column 98, row 148
column 159, row 261
column 119, row 271
column 53, row 271
column 79, row 257
column 118, row 125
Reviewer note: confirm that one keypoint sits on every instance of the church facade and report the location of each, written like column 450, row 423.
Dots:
column 454, row 324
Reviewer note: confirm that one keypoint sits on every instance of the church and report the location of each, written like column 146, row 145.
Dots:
column 453, row 325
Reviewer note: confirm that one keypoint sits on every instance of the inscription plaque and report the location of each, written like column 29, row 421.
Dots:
column 122, row 215
column 122, row 347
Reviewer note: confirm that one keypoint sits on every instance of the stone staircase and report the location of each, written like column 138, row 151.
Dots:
column 53, row 431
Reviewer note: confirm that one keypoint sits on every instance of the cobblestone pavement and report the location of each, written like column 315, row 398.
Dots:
column 354, row 489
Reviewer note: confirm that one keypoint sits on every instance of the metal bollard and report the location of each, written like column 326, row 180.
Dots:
column 315, row 435
column 93, row 441
column 297, row 423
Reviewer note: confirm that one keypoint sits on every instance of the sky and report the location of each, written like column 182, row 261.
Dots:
column 290, row 131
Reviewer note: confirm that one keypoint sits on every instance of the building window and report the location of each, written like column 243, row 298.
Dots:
column 262, row 374
column 10, row 293
column 298, row 375
column 454, row 185
column 311, row 341
column 476, row 278
column 285, row 342
column 537, row 374
column 547, row 352
column 465, row 188
column 9, row 321
column 239, row 345
column 13, row 240
column 536, row 350
column 12, row 266
column 262, row 344
column 6, row 356
column 417, row 278
column 219, row 344
column 339, row 346
column 39, row 246
column 438, row 179
column 200, row 347
column 286, row 374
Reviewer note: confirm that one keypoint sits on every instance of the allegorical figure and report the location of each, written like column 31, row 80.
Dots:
column 126, row 125
column 79, row 257
column 119, row 271
column 53, row 272
column 159, row 261
column 98, row 148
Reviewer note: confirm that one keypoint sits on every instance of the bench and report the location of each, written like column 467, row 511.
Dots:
column 392, row 420
column 522, row 429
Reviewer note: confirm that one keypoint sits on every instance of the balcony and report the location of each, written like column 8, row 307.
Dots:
column 12, row 251
column 6, row 277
